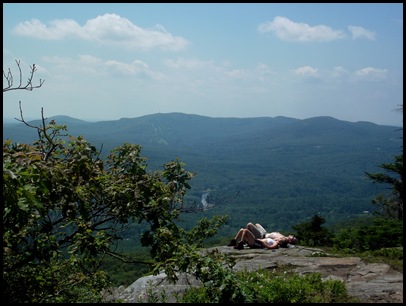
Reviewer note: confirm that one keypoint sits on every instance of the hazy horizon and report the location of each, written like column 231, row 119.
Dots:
column 13, row 120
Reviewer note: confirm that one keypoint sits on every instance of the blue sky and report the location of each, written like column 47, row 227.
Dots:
column 110, row 61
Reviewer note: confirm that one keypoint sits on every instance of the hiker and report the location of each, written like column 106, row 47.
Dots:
column 260, row 233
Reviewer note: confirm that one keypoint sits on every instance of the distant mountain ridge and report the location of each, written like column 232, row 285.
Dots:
column 175, row 126
column 285, row 168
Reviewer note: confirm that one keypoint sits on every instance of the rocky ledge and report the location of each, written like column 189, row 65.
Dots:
column 369, row 282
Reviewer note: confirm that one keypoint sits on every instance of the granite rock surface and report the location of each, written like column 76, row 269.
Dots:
column 369, row 282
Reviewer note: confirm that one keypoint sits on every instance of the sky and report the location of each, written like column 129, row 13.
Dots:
column 108, row 61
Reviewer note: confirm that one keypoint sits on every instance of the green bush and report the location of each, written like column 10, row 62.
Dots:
column 382, row 233
column 312, row 233
column 265, row 286
column 390, row 256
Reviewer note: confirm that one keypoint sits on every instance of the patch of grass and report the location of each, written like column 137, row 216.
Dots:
column 390, row 256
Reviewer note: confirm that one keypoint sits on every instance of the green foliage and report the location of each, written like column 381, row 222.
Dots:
column 179, row 250
column 215, row 271
column 392, row 256
column 312, row 233
column 125, row 273
column 390, row 206
column 64, row 207
column 265, row 286
column 393, row 253
column 382, row 233
column 54, row 281
column 154, row 297
column 286, row 170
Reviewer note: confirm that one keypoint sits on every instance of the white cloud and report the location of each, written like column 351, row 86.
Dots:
column 90, row 60
column 307, row 71
column 236, row 73
column 263, row 72
column 110, row 29
column 68, row 67
column 58, row 29
column 88, row 65
column 371, row 74
column 188, row 63
column 135, row 67
column 288, row 30
column 360, row 32
column 339, row 71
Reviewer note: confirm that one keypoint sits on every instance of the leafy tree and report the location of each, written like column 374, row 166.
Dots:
column 390, row 205
column 312, row 233
column 64, row 207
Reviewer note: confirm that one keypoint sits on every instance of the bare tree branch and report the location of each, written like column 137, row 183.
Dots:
column 29, row 86
column 41, row 130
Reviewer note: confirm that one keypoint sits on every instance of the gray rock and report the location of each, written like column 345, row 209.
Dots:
column 371, row 283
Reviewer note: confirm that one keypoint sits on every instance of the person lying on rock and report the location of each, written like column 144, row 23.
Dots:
column 260, row 233
column 246, row 237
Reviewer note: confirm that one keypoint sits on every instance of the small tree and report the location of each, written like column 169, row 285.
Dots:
column 312, row 233
column 64, row 207
column 390, row 205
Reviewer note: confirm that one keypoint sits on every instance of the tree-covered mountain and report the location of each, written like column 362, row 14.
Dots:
column 276, row 171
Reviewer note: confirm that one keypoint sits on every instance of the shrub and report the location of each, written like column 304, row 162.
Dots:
column 265, row 286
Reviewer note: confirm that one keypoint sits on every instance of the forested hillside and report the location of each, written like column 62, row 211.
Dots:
column 276, row 171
